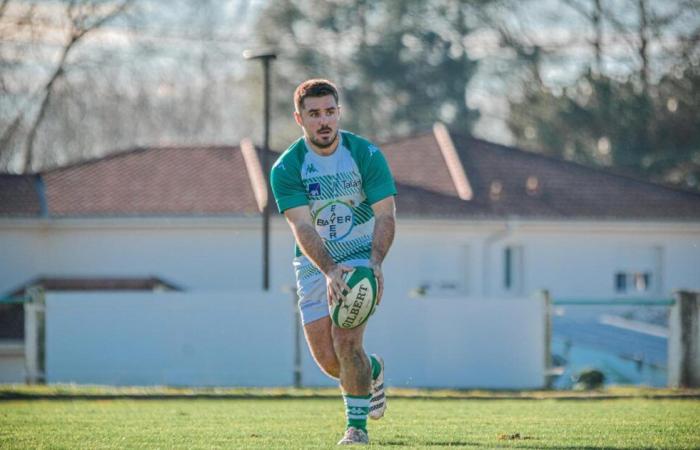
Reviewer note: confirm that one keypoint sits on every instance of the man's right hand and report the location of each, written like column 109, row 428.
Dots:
column 335, row 285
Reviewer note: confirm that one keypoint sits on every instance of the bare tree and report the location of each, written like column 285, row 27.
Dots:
column 83, row 18
column 170, row 72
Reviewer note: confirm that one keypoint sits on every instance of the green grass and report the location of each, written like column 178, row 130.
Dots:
column 318, row 423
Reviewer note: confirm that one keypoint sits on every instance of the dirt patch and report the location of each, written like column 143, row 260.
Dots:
column 512, row 437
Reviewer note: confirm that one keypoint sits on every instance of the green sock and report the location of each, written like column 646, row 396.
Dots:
column 376, row 368
column 356, row 410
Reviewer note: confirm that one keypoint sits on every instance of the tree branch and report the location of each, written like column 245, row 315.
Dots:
column 77, row 33
column 3, row 6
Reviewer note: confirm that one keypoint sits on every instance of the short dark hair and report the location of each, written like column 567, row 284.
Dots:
column 317, row 87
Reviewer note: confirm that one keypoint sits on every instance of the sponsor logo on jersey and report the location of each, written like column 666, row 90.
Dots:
column 372, row 150
column 315, row 189
column 311, row 169
column 350, row 184
column 334, row 220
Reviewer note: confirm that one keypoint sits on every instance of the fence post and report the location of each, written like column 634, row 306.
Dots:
column 34, row 335
column 684, row 341
column 547, row 369
column 297, row 338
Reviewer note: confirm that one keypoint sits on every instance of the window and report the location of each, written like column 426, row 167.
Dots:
column 620, row 282
column 508, row 268
column 638, row 270
column 632, row 282
column 513, row 269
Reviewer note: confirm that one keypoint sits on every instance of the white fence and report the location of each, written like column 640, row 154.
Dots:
column 456, row 342
column 247, row 339
column 204, row 339
column 12, row 361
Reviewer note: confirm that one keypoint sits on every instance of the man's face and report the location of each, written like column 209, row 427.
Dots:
column 319, row 118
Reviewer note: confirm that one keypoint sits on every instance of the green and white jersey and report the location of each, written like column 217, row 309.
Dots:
column 339, row 190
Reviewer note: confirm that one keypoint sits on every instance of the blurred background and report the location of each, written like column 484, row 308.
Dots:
column 604, row 83
column 545, row 149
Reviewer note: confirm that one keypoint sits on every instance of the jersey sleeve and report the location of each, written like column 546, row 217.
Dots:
column 378, row 183
column 287, row 187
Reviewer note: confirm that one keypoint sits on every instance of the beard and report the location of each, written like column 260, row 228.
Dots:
column 321, row 144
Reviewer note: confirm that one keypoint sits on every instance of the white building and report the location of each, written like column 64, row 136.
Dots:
column 475, row 220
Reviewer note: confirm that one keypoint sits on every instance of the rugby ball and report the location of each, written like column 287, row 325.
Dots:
column 359, row 302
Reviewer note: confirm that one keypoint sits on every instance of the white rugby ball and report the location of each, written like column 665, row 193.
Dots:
column 359, row 302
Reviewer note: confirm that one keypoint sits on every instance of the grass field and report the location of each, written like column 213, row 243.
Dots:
column 272, row 422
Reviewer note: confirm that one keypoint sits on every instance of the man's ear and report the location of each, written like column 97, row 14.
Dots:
column 297, row 118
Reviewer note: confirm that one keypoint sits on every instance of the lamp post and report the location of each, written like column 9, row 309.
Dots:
column 265, row 56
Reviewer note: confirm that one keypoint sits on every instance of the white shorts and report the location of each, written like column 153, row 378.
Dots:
column 313, row 299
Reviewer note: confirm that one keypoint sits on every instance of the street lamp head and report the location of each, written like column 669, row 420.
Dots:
column 264, row 54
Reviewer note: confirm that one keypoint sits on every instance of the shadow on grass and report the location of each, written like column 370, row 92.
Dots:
column 492, row 445
column 575, row 447
column 433, row 444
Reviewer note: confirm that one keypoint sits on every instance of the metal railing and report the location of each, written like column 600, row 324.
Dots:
column 14, row 300
column 642, row 301
column 667, row 351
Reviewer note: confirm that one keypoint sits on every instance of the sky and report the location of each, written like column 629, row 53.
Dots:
column 180, row 38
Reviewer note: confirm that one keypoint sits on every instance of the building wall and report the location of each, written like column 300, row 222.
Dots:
column 570, row 259
column 443, row 259
column 201, row 254
column 583, row 263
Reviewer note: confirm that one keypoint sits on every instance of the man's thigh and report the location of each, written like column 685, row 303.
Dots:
column 320, row 340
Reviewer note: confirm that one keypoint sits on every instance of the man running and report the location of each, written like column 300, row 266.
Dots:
column 337, row 193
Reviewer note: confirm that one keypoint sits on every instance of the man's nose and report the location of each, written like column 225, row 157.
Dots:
column 323, row 120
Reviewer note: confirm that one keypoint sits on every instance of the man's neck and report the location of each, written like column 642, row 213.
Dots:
column 324, row 151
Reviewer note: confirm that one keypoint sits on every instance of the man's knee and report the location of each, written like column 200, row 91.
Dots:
column 347, row 342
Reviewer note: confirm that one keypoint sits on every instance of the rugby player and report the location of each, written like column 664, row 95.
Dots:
column 336, row 192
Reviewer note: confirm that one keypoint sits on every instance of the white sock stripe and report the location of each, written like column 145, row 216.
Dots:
column 351, row 402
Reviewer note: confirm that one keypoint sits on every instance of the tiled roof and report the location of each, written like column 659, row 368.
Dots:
column 154, row 182
column 418, row 162
column 509, row 182
column 209, row 181
column 96, row 284
column 512, row 182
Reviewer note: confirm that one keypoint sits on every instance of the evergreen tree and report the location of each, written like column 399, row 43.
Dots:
column 641, row 125
column 400, row 65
